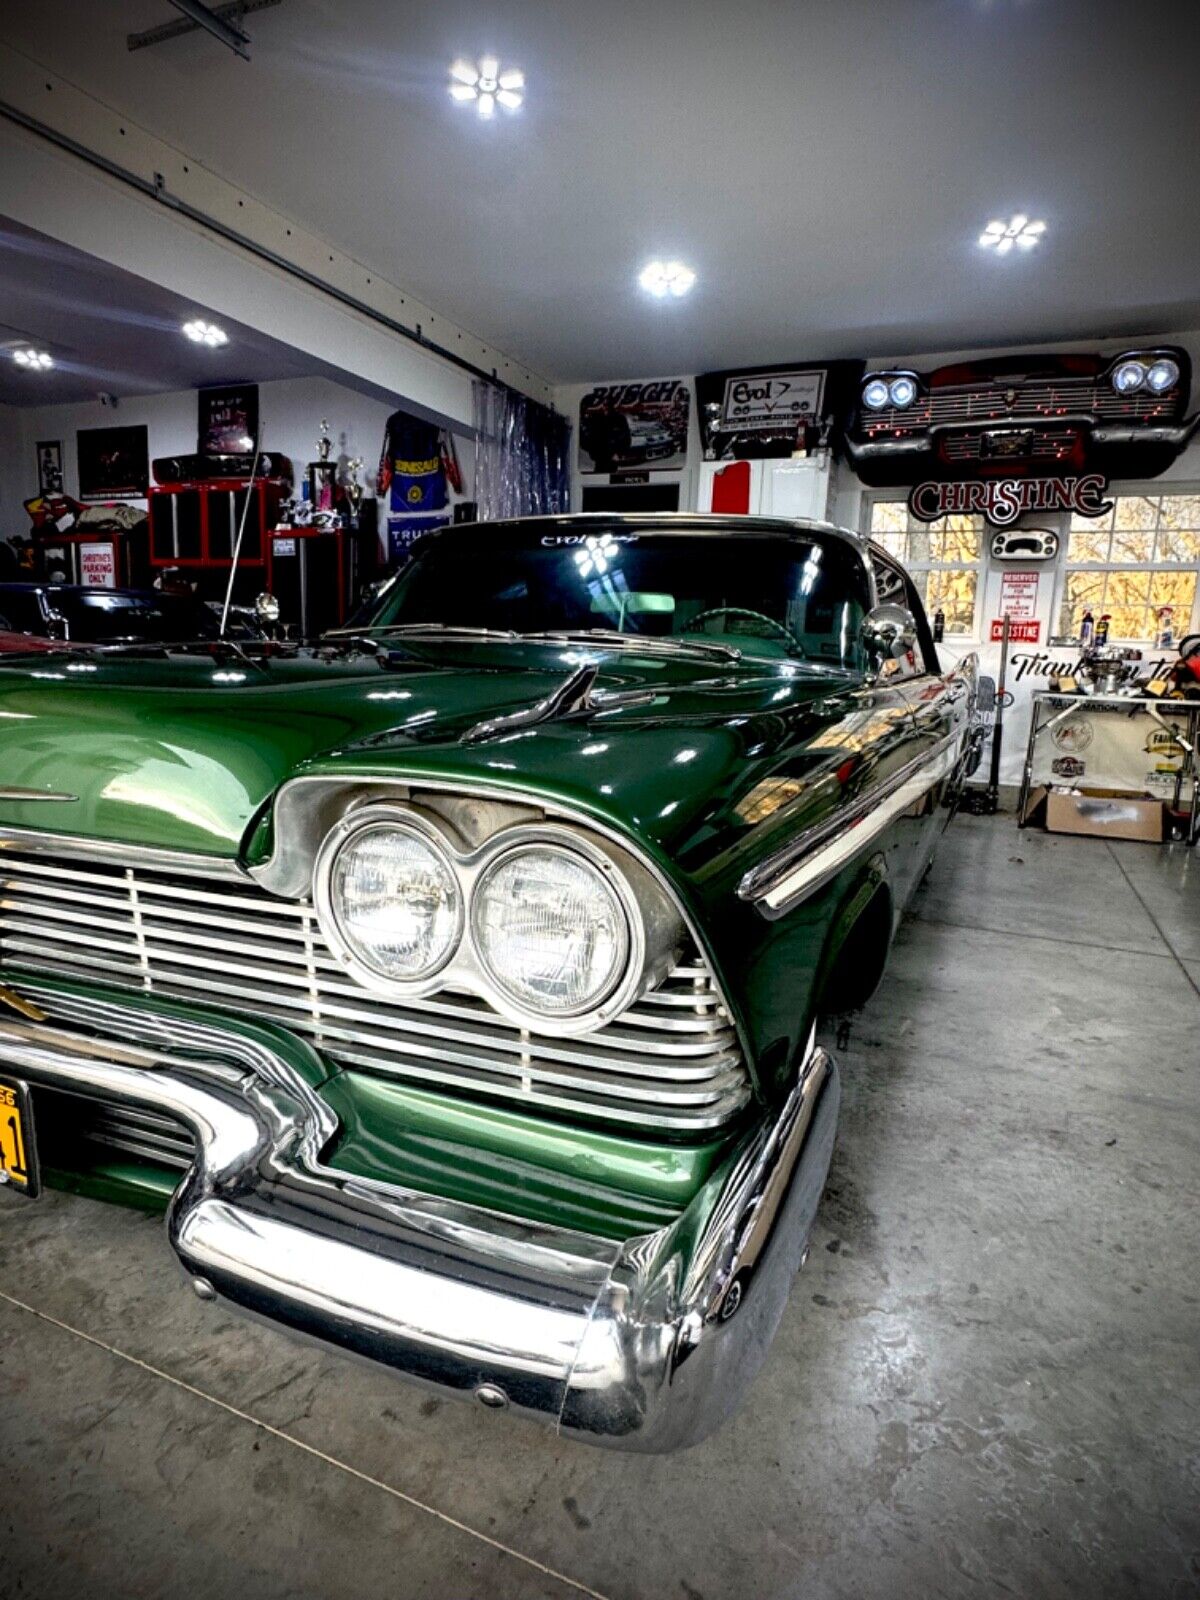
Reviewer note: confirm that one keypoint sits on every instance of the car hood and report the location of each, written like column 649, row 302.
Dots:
column 185, row 752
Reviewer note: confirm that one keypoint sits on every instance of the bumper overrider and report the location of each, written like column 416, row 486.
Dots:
column 647, row 1344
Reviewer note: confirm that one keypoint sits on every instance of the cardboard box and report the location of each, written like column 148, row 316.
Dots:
column 1105, row 814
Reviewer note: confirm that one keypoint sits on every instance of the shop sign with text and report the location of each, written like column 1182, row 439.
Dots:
column 767, row 399
column 1002, row 500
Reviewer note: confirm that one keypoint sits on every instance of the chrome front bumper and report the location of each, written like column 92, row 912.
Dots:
column 645, row 1345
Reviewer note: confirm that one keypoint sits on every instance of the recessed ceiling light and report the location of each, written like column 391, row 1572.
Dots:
column 37, row 360
column 205, row 333
column 488, row 85
column 661, row 278
column 1002, row 236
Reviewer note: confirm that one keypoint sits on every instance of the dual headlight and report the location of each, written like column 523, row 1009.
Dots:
column 882, row 389
column 1150, row 371
column 550, row 925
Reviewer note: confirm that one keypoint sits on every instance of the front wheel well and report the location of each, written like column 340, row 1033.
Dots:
column 859, row 957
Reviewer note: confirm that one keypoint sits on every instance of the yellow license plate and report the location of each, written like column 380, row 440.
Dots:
column 18, row 1152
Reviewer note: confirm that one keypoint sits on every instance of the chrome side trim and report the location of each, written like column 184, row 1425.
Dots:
column 76, row 847
column 647, row 1345
column 7, row 792
column 817, row 854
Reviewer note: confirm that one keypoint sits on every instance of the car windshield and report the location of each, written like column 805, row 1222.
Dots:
column 799, row 597
column 102, row 616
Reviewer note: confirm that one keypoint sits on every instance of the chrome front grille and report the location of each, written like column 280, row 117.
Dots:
column 1052, row 442
column 670, row 1062
column 988, row 403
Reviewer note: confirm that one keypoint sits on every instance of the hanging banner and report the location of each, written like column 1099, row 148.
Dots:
column 634, row 425
column 1002, row 500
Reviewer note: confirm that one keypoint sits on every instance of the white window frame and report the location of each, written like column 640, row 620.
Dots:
column 1158, row 489
column 874, row 497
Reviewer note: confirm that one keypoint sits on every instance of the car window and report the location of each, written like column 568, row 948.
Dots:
column 96, row 616
column 801, row 597
column 22, row 611
column 894, row 587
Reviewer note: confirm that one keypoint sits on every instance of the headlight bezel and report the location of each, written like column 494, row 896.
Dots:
column 348, row 830
column 613, row 999
column 653, row 928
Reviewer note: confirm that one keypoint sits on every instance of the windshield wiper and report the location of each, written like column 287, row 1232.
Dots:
column 669, row 643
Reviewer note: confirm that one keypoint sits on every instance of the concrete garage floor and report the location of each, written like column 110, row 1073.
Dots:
column 986, row 1382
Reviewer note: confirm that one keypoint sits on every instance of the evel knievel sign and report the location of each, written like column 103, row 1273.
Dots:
column 1002, row 500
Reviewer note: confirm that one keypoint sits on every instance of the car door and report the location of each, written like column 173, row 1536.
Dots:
column 941, row 701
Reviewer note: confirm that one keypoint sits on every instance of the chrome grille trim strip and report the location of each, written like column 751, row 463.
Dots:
column 74, row 847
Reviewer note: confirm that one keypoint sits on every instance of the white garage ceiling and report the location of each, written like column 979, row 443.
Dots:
column 824, row 166
column 110, row 332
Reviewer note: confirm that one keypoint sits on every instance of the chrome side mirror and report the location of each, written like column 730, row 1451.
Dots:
column 890, row 635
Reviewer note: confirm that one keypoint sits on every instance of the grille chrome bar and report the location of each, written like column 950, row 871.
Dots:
column 670, row 1061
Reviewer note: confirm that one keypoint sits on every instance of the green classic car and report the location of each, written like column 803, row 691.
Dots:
column 452, row 983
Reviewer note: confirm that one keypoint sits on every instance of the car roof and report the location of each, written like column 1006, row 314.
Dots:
column 83, row 588
column 711, row 524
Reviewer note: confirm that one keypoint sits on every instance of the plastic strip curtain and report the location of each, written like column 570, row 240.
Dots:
column 522, row 455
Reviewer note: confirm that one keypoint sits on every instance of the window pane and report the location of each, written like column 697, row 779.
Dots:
column 920, row 544
column 1179, row 511
column 1127, row 589
column 957, row 541
column 1133, row 544
column 1176, row 589
column 1178, row 545
column 954, row 592
column 889, row 516
column 1084, row 591
column 1136, row 511
column 1081, row 522
column 1130, row 622
column 896, row 544
column 1089, row 543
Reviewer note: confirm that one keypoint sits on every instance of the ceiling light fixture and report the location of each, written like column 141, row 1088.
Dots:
column 1002, row 236
column 205, row 333
column 661, row 278
column 35, row 360
column 487, row 85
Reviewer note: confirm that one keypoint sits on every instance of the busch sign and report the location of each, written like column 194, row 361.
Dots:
column 1002, row 500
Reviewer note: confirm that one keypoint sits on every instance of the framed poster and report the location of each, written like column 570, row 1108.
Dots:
column 49, row 465
column 634, row 425
column 114, row 463
column 228, row 420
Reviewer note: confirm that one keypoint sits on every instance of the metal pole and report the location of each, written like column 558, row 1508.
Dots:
column 237, row 549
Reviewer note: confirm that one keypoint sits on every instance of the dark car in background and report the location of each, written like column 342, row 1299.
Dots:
column 1037, row 414
column 104, row 616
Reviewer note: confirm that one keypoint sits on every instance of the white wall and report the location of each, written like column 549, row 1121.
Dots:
column 290, row 410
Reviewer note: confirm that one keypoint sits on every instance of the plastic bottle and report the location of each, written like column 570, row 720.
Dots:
column 1087, row 630
column 939, row 625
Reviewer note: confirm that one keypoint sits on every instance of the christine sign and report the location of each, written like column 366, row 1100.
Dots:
column 1002, row 500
